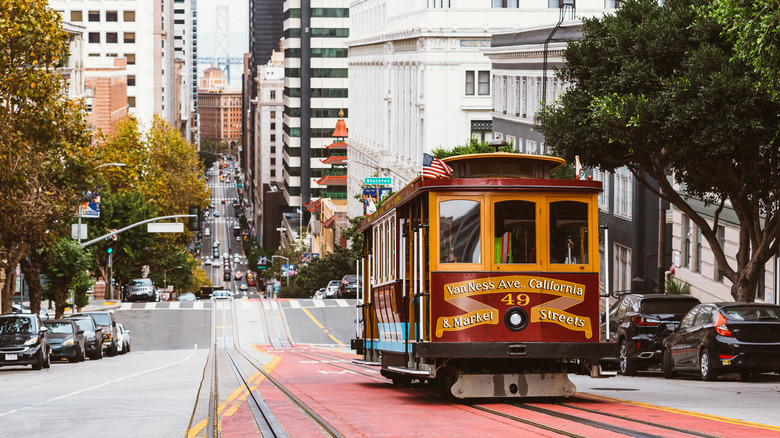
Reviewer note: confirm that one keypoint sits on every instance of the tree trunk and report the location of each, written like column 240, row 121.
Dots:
column 31, row 267
column 14, row 255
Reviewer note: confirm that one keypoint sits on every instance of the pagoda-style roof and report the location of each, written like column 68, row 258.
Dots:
column 333, row 180
column 328, row 223
column 334, row 160
column 314, row 206
column 337, row 145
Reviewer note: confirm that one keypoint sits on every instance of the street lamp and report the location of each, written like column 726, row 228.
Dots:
column 288, row 267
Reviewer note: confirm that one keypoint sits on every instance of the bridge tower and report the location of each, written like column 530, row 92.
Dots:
column 223, row 41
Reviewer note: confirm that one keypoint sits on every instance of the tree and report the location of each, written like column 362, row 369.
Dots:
column 657, row 89
column 320, row 271
column 44, row 157
column 754, row 28
column 67, row 271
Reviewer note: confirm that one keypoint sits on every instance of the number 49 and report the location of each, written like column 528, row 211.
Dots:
column 522, row 300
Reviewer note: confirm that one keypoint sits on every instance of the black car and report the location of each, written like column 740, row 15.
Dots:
column 106, row 321
column 93, row 336
column 23, row 341
column 347, row 287
column 640, row 322
column 715, row 338
column 66, row 340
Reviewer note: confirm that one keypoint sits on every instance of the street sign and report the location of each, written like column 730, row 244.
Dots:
column 164, row 227
column 377, row 181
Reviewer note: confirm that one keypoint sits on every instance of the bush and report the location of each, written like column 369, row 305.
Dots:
column 674, row 286
column 293, row 291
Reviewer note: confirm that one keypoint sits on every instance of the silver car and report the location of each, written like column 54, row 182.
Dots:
column 140, row 289
column 123, row 339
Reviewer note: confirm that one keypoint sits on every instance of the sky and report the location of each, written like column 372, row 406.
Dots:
column 238, row 26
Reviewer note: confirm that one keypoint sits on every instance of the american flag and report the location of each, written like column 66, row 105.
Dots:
column 435, row 168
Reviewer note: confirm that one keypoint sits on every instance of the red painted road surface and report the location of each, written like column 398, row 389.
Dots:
column 358, row 405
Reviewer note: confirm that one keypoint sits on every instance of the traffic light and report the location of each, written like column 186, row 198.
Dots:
column 110, row 250
column 194, row 222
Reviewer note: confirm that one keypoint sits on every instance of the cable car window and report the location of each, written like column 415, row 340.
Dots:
column 515, row 232
column 569, row 232
column 459, row 228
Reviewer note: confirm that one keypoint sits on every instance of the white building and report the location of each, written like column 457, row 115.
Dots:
column 269, row 115
column 185, row 25
column 419, row 79
column 73, row 73
column 120, row 28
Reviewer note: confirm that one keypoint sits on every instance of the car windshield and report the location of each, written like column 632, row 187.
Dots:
column 85, row 324
column 140, row 282
column 663, row 306
column 752, row 313
column 16, row 326
column 59, row 327
column 351, row 278
column 101, row 318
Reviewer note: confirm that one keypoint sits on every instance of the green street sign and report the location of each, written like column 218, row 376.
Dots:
column 377, row 181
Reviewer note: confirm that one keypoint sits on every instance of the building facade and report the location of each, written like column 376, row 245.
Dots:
column 220, row 115
column 419, row 79
column 106, row 88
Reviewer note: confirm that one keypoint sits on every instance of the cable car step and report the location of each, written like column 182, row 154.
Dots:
column 409, row 371
column 367, row 363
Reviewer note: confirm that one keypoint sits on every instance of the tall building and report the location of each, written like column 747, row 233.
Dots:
column 315, row 92
column 419, row 78
column 106, row 88
column 185, row 47
column 220, row 114
column 121, row 29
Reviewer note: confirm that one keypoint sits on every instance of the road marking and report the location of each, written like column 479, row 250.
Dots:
column 319, row 303
column 295, row 304
column 194, row 349
column 342, row 303
column 126, row 306
column 150, row 306
column 321, row 326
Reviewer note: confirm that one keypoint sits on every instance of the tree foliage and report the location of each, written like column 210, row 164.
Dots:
column 754, row 28
column 67, row 271
column 474, row 146
column 320, row 271
column 44, row 149
column 656, row 88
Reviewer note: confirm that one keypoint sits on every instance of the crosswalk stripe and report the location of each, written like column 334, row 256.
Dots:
column 319, row 303
column 295, row 304
column 150, row 306
column 342, row 303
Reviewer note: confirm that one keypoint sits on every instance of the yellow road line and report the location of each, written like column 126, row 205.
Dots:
column 321, row 326
column 688, row 413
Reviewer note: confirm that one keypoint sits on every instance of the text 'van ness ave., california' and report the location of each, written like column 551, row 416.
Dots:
column 515, row 283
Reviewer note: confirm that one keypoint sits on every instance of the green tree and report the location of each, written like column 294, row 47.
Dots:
column 754, row 28
column 67, row 271
column 329, row 267
column 474, row 146
column 44, row 157
column 657, row 89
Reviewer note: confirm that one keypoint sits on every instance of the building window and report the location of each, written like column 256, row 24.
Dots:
column 686, row 235
column 129, row 16
column 129, row 37
column 75, row 16
column 94, row 16
column 481, row 129
column 112, row 16
column 94, row 37
column 623, row 192
column 470, row 83
column 130, row 58
column 722, row 243
column 131, row 101
column 111, row 37
column 622, row 268
column 484, row 83
column 273, row 94
column 130, row 80
column 697, row 252
column 600, row 175
column 505, row 4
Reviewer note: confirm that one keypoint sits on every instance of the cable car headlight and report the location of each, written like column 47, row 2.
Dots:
column 516, row 319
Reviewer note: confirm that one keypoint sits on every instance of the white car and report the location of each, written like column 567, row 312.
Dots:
column 123, row 339
column 331, row 288
column 207, row 261
column 221, row 295
column 236, row 259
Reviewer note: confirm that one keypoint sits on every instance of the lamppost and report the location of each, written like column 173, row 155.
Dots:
column 288, row 267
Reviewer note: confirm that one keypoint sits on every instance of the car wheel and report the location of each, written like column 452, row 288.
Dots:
column 39, row 362
column 667, row 365
column 47, row 361
column 112, row 351
column 83, row 354
column 746, row 376
column 627, row 365
column 705, row 367
column 127, row 348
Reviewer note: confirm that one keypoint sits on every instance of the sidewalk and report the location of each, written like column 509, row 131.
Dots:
column 93, row 306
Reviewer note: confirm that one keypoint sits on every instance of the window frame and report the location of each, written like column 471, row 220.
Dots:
column 435, row 200
column 542, row 250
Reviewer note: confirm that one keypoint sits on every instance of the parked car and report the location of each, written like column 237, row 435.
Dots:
column 189, row 296
column 140, row 289
column 66, row 340
column 21, row 308
column 715, row 338
column 347, row 287
column 23, row 341
column 331, row 288
column 106, row 322
column 123, row 339
column 93, row 336
column 640, row 322
column 221, row 295
column 319, row 294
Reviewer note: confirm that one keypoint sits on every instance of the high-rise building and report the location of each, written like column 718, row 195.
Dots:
column 315, row 92
column 121, row 29
column 185, row 47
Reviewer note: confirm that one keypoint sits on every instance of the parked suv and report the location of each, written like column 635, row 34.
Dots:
column 107, row 323
column 640, row 323
column 23, row 341
column 348, row 287
column 140, row 289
